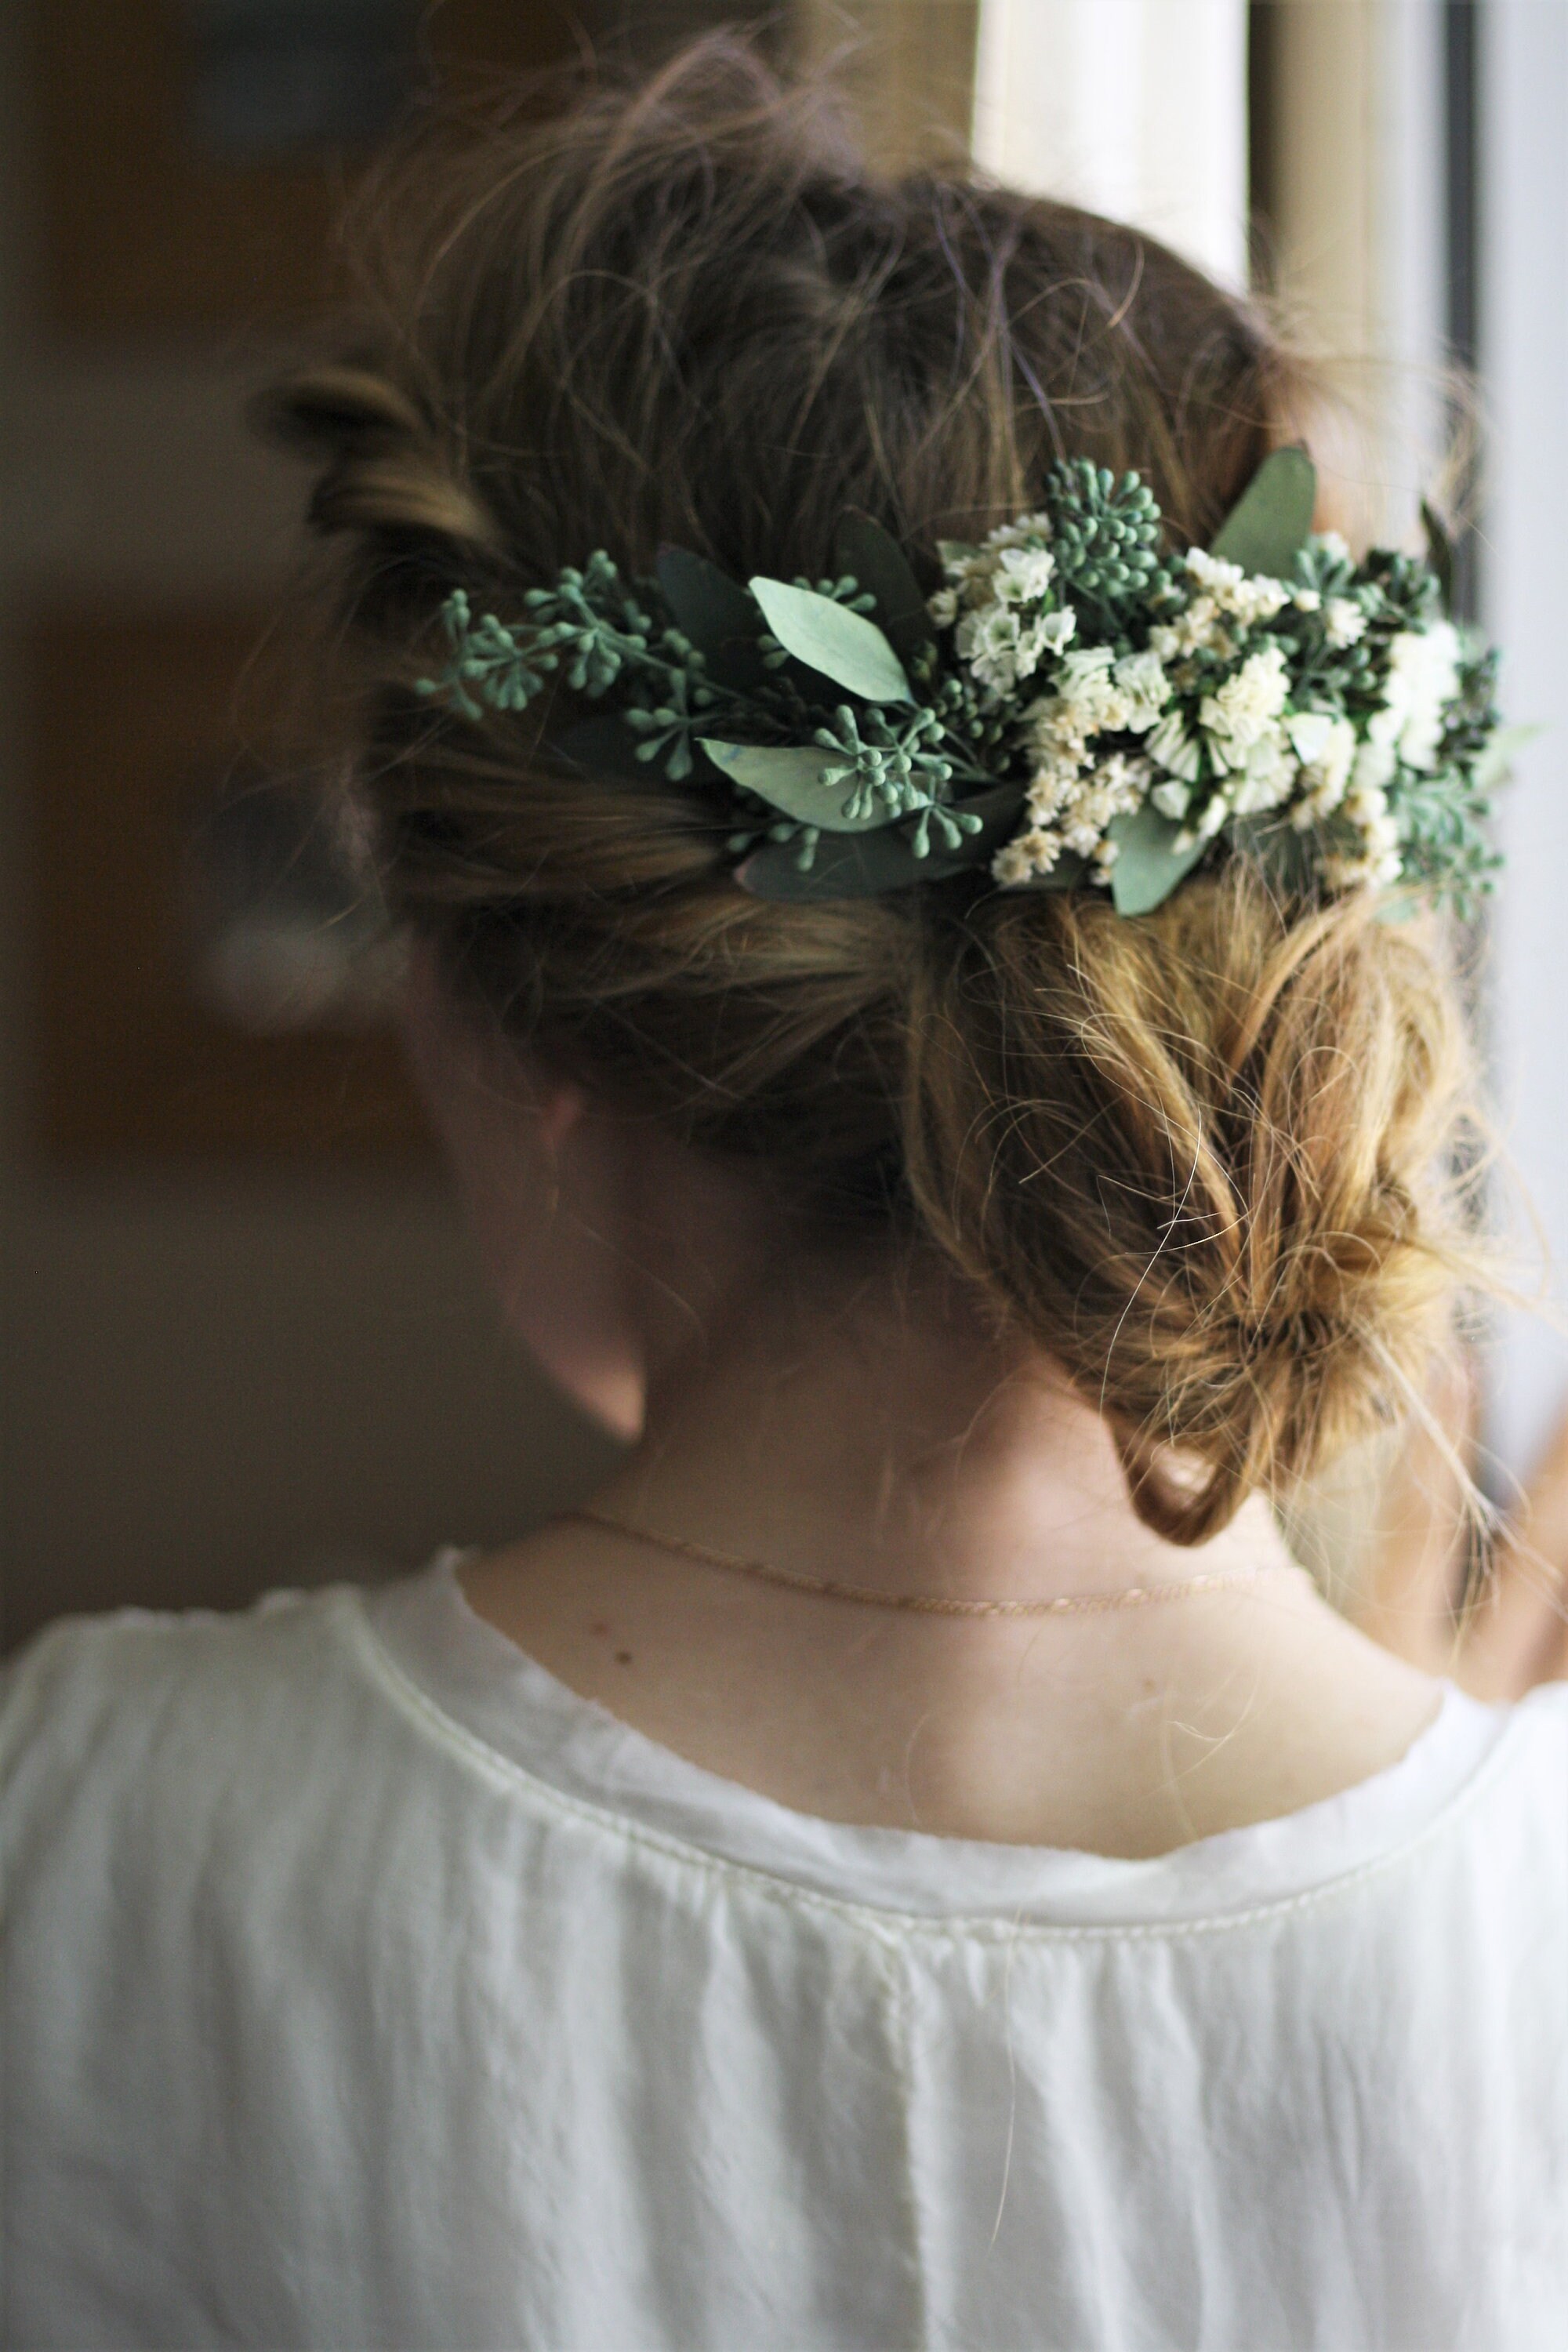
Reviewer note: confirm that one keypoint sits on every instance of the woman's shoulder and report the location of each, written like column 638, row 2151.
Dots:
column 97, row 1661
column 114, row 1709
column 1536, row 1752
column 1533, row 1753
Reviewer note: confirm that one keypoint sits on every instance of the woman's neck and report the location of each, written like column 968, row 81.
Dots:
column 863, row 1425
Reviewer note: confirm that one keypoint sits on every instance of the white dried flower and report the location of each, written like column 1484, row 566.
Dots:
column 1311, row 732
column 1024, row 575
column 1345, row 623
column 1117, row 786
column 1250, row 596
column 1326, row 747
column 1171, row 798
column 1374, row 764
column 1147, row 688
column 987, row 640
column 1012, row 864
column 1026, row 855
column 1050, row 789
column 1375, row 863
column 1086, row 685
column 1053, row 732
column 1047, row 634
column 1020, row 532
column 1235, row 716
column 1423, row 677
column 1175, row 748
column 1259, row 600
column 1000, row 646
column 943, row 607
column 1267, row 779
column 1213, row 571
column 962, row 562
column 1306, row 600
column 1124, row 780
column 1196, row 631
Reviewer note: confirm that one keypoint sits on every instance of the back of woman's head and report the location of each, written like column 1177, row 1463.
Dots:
column 1198, row 1158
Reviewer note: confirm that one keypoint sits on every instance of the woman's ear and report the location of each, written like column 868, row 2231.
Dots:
column 562, row 1106
column 544, row 1188
column 463, row 1070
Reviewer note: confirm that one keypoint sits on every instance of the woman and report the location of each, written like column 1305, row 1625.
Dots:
column 915, row 1862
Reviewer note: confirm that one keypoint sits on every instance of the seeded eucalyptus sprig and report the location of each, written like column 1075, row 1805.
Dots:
column 1105, row 535
column 786, row 698
column 1078, row 706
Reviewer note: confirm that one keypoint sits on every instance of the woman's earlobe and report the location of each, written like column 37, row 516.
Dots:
column 562, row 1106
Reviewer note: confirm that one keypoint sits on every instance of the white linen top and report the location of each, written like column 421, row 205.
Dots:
column 366, row 1987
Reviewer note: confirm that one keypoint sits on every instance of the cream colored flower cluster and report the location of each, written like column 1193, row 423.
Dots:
column 1002, row 598
column 1202, row 721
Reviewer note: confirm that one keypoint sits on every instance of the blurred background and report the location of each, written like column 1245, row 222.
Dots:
column 245, row 1339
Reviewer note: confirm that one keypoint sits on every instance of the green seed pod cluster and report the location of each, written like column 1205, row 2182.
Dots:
column 1106, row 535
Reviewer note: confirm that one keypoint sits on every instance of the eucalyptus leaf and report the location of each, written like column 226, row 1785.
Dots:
column 1496, row 762
column 831, row 640
column 870, row 864
column 1269, row 523
column 1147, row 864
column 790, row 778
column 875, row 560
column 717, row 615
column 606, row 747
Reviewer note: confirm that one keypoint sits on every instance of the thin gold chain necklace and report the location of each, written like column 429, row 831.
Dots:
column 927, row 1604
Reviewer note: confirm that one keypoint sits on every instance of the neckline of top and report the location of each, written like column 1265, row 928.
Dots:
column 479, row 1679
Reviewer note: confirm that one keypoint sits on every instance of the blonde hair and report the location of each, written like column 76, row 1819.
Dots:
column 1201, row 1159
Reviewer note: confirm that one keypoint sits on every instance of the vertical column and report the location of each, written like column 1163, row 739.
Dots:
column 1350, row 201
column 1523, row 254
column 1134, row 108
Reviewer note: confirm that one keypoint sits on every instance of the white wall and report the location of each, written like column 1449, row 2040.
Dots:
column 1132, row 108
column 1524, row 357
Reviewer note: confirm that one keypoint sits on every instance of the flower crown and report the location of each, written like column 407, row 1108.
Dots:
column 1074, row 707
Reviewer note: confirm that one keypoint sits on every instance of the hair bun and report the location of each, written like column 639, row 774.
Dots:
column 1203, row 1160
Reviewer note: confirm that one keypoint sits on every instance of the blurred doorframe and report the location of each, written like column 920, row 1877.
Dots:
column 1521, row 324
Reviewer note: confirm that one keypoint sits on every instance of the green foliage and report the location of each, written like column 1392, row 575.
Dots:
column 800, row 781
column 584, row 634
column 864, row 551
column 863, row 865
column 717, row 614
column 831, row 638
column 1444, row 846
column 1105, row 535
column 1148, row 864
column 891, row 769
column 843, row 746
column 1267, row 529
